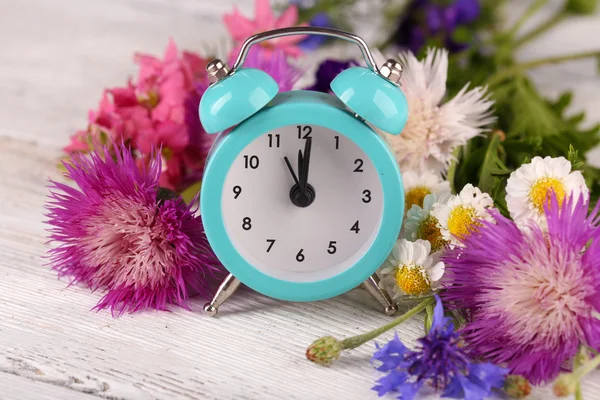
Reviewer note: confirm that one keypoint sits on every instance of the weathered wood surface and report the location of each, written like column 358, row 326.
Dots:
column 55, row 58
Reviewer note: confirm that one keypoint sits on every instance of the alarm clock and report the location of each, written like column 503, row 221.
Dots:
column 301, row 199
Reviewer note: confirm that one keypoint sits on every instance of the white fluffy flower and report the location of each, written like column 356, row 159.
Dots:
column 433, row 130
column 420, row 183
column 529, row 187
column 459, row 216
column 411, row 269
column 420, row 224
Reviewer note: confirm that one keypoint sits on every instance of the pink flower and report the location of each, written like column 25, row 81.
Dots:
column 242, row 28
column 153, row 111
column 117, row 233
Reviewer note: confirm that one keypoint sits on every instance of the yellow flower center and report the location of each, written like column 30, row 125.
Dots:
column 416, row 196
column 429, row 230
column 539, row 194
column 412, row 280
column 462, row 221
column 149, row 99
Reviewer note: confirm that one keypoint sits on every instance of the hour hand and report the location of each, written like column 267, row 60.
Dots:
column 289, row 165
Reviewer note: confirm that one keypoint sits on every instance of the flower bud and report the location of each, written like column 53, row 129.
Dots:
column 516, row 386
column 324, row 350
column 565, row 385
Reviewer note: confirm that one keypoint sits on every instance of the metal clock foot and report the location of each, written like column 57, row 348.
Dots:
column 226, row 289
column 372, row 286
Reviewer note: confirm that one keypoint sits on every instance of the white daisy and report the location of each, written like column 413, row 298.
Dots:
column 529, row 187
column 411, row 270
column 459, row 216
column 433, row 130
column 420, row 224
column 420, row 183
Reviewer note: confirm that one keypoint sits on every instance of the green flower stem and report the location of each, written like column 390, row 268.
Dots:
column 531, row 10
column 581, row 371
column 517, row 69
column 578, row 394
column 555, row 20
column 356, row 341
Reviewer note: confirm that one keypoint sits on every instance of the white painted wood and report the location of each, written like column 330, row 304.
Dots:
column 55, row 58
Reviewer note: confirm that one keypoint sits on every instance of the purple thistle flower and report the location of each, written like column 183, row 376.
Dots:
column 327, row 71
column 439, row 360
column 529, row 297
column 115, row 234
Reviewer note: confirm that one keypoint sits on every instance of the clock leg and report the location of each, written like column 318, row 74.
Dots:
column 226, row 289
column 379, row 294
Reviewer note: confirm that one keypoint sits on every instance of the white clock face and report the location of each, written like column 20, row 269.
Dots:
column 278, row 233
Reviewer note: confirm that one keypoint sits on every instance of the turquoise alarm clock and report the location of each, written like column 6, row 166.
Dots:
column 301, row 199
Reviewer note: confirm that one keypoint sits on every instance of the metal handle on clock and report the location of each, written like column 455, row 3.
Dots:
column 304, row 30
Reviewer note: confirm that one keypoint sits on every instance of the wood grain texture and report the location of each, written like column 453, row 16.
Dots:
column 55, row 58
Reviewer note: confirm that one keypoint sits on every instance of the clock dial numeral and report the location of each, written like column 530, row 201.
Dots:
column 237, row 190
column 337, row 142
column 271, row 243
column 304, row 131
column 246, row 224
column 274, row 139
column 355, row 227
column 300, row 257
column 367, row 196
column 332, row 249
column 251, row 162
column 359, row 164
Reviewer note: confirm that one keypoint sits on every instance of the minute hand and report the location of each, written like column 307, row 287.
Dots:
column 303, row 170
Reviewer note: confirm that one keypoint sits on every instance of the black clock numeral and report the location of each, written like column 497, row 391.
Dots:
column 237, row 190
column 367, row 196
column 355, row 227
column 300, row 257
column 246, row 224
column 274, row 139
column 251, row 162
column 271, row 243
column 332, row 249
column 359, row 163
column 337, row 142
column 304, row 131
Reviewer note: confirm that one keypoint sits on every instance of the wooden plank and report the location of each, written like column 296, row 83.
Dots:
column 20, row 388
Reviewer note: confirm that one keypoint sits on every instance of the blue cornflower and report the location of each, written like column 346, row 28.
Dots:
column 439, row 360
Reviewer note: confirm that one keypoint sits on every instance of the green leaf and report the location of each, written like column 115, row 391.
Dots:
column 532, row 114
column 573, row 157
column 190, row 192
column 492, row 166
column 581, row 6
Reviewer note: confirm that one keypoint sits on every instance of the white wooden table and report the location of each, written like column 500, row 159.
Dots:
column 55, row 58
